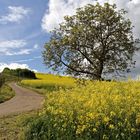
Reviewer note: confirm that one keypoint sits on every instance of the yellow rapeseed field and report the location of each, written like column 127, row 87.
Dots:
column 45, row 79
column 49, row 82
column 99, row 110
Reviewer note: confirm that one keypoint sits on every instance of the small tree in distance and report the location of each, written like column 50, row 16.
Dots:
column 94, row 42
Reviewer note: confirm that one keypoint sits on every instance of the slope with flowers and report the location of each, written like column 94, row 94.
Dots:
column 98, row 110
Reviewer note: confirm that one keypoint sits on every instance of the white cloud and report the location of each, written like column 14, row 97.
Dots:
column 15, row 47
column 29, row 59
column 58, row 9
column 7, row 47
column 15, row 66
column 23, row 51
column 15, row 14
column 36, row 46
column 133, row 8
column 25, row 60
column 12, row 43
column 20, row 52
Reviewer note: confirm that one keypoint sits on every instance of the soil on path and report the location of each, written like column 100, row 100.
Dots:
column 24, row 100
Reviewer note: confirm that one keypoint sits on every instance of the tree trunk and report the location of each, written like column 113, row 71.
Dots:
column 100, row 71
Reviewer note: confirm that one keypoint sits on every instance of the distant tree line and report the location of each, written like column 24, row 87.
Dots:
column 21, row 73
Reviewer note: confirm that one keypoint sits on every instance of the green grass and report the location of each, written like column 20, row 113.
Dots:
column 6, row 93
column 11, row 127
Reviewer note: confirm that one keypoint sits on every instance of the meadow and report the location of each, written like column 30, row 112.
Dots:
column 94, row 111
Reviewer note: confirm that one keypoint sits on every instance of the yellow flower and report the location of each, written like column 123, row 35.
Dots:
column 89, row 105
column 112, row 114
column 133, row 130
column 106, row 119
column 94, row 130
column 120, row 124
column 105, row 137
column 111, row 126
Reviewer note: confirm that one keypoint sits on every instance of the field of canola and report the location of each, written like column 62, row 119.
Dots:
column 97, row 111
column 49, row 83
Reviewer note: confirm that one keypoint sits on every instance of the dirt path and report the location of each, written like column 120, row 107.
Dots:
column 24, row 100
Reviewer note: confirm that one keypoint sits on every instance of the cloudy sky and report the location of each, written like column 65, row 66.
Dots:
column 25, row 27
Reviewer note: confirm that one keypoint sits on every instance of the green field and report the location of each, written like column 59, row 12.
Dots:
column 6, row 93
column 98, row 110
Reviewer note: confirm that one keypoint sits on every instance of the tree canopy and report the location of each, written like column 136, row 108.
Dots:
column 96, row 41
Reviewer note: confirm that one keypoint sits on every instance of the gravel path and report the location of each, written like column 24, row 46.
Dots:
column 24, row 100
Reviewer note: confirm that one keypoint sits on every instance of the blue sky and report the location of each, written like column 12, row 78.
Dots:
column 25, row 27
column 23, row 31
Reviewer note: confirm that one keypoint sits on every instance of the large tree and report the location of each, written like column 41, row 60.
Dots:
column 96, row 41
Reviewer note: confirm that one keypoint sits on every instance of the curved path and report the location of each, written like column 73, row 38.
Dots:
column 24, row 100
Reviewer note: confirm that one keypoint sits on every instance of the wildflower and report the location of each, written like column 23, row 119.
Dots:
column 106, row 119
column 133, row 130
column 105, row 137
column 120, row 124
column 112, row 114
column 111, row 126
column 94, row 130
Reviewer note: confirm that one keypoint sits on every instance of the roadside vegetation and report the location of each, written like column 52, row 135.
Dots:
column 11, row 127
column 9, row 75
column 6, row 93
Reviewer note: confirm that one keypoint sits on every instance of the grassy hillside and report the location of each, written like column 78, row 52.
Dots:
column 6, row 93
column 99, row 110
column 9, row 75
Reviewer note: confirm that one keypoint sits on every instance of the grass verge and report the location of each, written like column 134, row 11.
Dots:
column 11, row 127
column 6, row 93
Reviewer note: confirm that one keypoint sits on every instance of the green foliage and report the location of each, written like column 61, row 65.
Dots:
column 11, row 127
column 93, row 43
column 20, row 73
column 2, row 80
column 6, row 93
